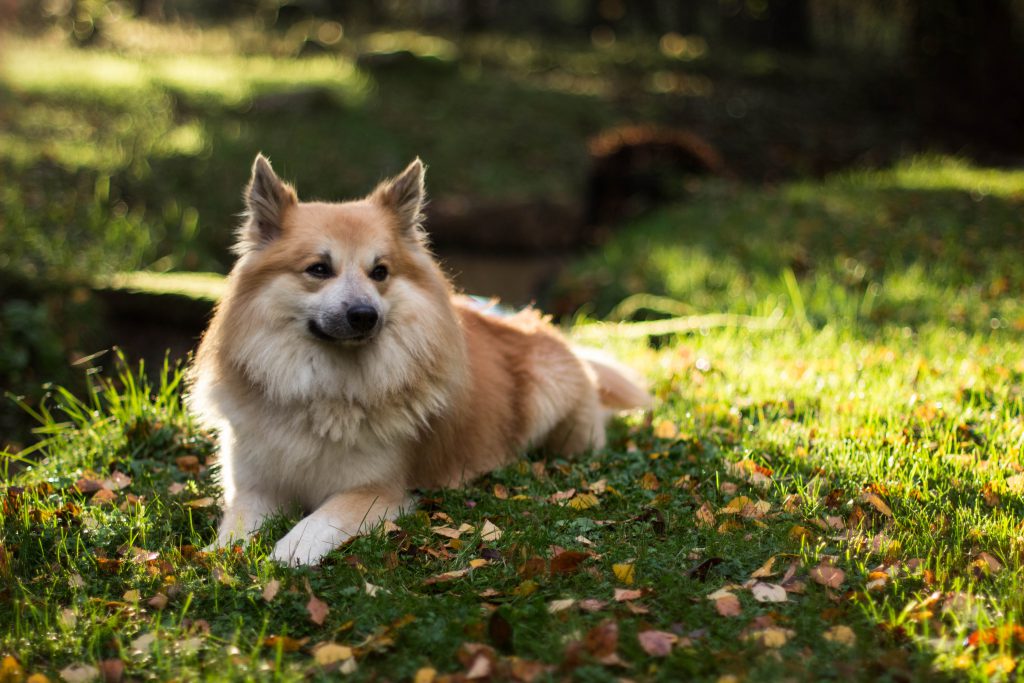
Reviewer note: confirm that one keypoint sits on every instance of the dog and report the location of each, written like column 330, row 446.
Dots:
column 342, row 371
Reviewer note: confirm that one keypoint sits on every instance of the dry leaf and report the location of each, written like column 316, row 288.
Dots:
column 657, row 643
column 271, row 589
column 425, row 674
column 874, row 501
column 11, row 670
column 567, row 562
column 446, row 576
column 583, row 501
column 843, row 635
column 446, row 531
column 79, row 673
column 490, row 532
column 624, row 572
column 625, row 594
column 204, row 502
column 112, row 670
column 666, row 430
column 990, row 562
column 649, row 482
column 765, row 570
column 286, row 643
column 556, row 606
column 827, row 575
column 705, row 516
column 317, row 608
column 326, row 654
column 501, row 493
column 727, row 604
column 736, row 505
column 592, row 605
column 772, row 636
column 768, row 592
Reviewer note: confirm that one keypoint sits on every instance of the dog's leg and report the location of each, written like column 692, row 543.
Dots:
column 243, row 516
column 341, row 517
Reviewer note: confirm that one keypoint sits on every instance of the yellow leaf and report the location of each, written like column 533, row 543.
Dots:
column 800, row 533
column 624, row 572
column 528, row 587
column 131, row 596
column 874, row 501
column 326, row 654
column 842, row 635
column 649, row 482
column 765, row 569
column 1003, row 664
column 666, row 430
column 583, row 501
column 489, row 532
column 736, row 505
column 37, row 678
column 478, row 562
column 11, row 671
column 425, row 674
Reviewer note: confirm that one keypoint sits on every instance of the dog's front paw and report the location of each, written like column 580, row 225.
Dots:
column 308, row 543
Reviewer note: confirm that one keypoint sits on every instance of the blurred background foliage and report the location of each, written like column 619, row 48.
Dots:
column 595, row 149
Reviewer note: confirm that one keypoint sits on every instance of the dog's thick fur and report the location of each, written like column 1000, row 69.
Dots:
column 344, row 422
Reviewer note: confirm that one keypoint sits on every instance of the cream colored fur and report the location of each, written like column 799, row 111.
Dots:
column 440, row 393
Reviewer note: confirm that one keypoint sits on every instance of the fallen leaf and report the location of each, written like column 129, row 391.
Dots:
column 271, row 589
column 772, row 636
column 700, row 571
column 203, row 502
column 112, row 670
column 286, row 643
column 103, row 497
column 840, row 634
column 624, row 572
column 528, row 587
column 372, row 589
column 158, row 601
column 316, row 607
column 736, row 505
column 657, row 643
column 768, row 592
column 592, row 605
column 583, row 501
column 425, row 674
column 567, row 562
column 990, row 562
column 446, row 576
column 11, row 670
column 603, row 640
column 556, row 606
column 326, row 654
column 188, row 463
column 141, row 644
column 489, row 532
column 79, row 673
column 827, row 575
column 666, row 430
column 765, row 570
column 727, row 605
column 624, row 594
column 649, row 482
column 705, row 516
column 446, row 531
column 501, row 493
column 874, row 501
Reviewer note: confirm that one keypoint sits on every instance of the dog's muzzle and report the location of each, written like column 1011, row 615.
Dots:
column 355, row 325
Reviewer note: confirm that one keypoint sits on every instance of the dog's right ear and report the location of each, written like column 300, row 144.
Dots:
column 266, row 199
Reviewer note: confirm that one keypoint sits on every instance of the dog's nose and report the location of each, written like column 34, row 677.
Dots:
column 362, row 318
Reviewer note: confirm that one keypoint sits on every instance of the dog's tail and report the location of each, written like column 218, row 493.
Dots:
column 618, row 387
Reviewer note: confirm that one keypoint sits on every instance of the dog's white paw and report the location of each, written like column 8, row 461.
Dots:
column 308, row 543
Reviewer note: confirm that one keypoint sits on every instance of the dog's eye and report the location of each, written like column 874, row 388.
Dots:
column 379, row 273
column 319, row 270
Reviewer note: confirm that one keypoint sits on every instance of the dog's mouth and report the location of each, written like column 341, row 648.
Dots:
column 351, row 340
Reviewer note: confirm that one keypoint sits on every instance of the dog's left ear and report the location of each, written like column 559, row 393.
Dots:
column 267, row 197
column 405, row 195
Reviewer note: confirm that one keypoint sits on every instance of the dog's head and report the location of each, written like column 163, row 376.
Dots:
column 320, row 286
column 333, row 263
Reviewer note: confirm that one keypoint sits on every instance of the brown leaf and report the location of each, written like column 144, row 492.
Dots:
column 328, row 653
column 700, row 571
column 446, row 576
column 271, row 589
column 316, row 607
column 79, row 673
column 874, row 501
column 501, row 492
column 603, row 639
column 567, row 562
column 768, row 592
column 726, row 604
column 649, row 482
column 286, row 643
column 188, row 463
column 827, row 575
column 765, row 570
column 592, row 605
column 112, row 670
column 657, row 643
column 103, row 497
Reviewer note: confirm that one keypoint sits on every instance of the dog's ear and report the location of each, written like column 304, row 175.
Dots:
column 266, row 199
column 405, row 195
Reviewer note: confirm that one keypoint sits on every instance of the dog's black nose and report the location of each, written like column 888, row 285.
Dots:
column 362, row 318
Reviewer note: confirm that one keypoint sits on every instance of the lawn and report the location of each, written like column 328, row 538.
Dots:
column 828, row 486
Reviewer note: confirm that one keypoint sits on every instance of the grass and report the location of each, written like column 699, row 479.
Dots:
column 882, row 441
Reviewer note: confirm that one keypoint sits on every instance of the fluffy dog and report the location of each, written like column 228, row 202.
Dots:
column 342, row 371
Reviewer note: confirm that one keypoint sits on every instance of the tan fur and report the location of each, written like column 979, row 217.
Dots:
column 442, row 393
